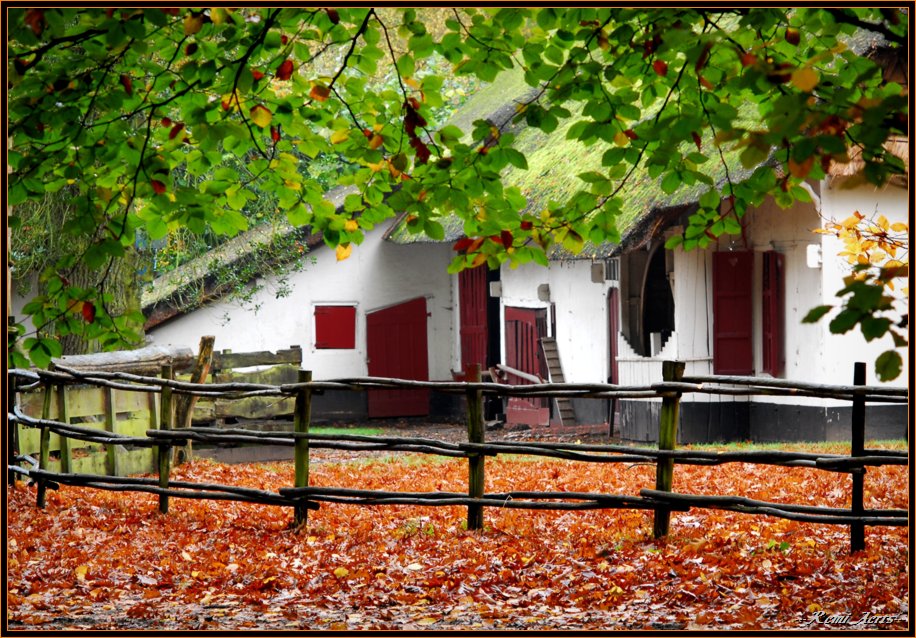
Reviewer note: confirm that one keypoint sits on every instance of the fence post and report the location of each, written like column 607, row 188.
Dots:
column 12, row 431
column 112, row 459
column 301, row 419
column 857, row 530
column 165, row 450
column 63, row 415
column 44, row 445
column 475, row 435
column 667, row 439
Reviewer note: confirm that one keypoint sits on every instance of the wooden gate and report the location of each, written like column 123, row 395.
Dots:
column 397, row 348
column 524, row 329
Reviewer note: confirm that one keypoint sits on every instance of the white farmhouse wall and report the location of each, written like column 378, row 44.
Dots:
column 838, row 203
column 581, row 313
column 378, row 274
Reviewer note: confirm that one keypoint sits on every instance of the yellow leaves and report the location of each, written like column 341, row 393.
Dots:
column 341, row 572
column 620, row 139
column 340, row 136
column 193, row 22
column 852, row 220
column 344, row 251
column 219, row 14
column 376, row 141
column 805, row 79
column 412, row 83
column 351, row 225
column 261, row 115
column 80, row 573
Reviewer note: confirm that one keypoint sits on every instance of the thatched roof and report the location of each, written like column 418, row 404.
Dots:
column 554, row 163
column 193, row 284
column 897, row 146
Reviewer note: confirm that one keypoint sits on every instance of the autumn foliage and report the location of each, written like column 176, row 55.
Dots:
column 110, row 560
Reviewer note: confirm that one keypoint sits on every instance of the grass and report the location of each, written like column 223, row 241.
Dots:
column 827, row 447
column 360, row 431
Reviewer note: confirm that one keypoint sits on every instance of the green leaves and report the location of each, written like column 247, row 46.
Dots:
column 137, row 114
column 888, row 365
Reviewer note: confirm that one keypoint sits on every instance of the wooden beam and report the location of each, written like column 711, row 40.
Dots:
column 147, row 360
column 227, row 360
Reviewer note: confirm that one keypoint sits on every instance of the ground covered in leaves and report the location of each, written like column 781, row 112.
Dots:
column 109, row 560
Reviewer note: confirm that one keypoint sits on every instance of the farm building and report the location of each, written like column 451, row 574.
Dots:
column 386, row 311
column 613, row 312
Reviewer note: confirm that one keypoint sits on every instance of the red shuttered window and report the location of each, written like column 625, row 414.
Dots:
column 732, row 279
column 335, row 327
column 773, row 313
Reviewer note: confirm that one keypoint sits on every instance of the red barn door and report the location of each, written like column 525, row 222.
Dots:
column 732, row 280
column 472, row 303
column 397, row 348
column 524, row 329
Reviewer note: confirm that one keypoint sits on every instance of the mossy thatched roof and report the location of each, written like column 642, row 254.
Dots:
column 554, row 163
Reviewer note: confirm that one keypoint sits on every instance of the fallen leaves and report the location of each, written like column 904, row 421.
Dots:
column 233, row 565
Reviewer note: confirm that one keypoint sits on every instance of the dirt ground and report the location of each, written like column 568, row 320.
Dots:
column 412, row 428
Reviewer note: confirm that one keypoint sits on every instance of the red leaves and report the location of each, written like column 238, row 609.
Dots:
column 275, row 134
column 630, row 133
column 127, row 83
column 793, row 36
column 158, row 187
column 468, row 245
column 697, row 140
column 285, row 71
column 191, row 49
column 526, row 225
column 320, row 92
column 175, row 131
column 88, row 311
column 660, row 67
column 35, row 18
column 333, row 16
column 257, row 75
column 412, row 119
column 388, row 567
column 422, row 149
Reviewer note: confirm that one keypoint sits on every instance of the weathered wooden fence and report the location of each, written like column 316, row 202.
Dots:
column 302, row 497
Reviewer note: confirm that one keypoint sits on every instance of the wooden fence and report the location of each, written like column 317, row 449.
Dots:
column 160, row 437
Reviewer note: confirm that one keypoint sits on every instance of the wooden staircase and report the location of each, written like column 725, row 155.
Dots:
column 565, row 412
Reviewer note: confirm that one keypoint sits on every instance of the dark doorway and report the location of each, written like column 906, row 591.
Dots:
column 658, row 303
column 397, row 348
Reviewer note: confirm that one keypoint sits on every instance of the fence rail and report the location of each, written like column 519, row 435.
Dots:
column 161, row 438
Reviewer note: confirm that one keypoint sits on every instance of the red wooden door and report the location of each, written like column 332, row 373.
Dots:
column 397, row 348
column 472, row 304
column 524, row 328
column 732, row 279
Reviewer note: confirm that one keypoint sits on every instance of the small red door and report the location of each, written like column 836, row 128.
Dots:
column 524, row 329
column 397, row 348
column 472, row 303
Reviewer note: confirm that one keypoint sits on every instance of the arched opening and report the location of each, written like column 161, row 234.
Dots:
column 658, row 305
